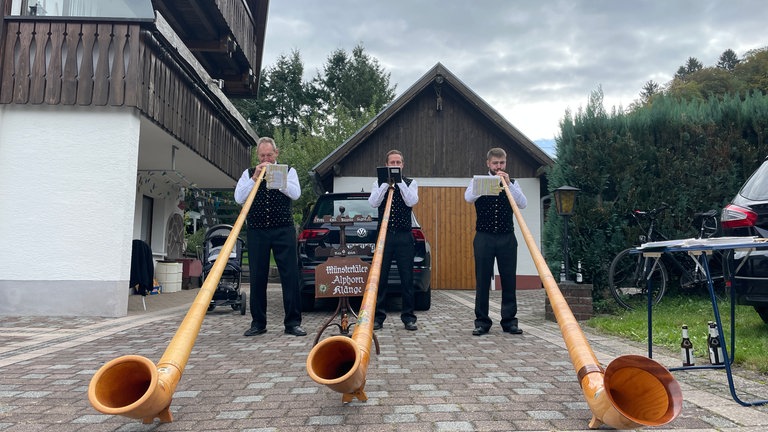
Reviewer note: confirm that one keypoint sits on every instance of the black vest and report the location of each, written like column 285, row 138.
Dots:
column 494, row 214
column 271, row 208
column 399, row 214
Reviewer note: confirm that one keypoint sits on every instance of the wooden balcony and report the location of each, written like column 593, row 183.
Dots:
column 226, row 37
column 121, row 64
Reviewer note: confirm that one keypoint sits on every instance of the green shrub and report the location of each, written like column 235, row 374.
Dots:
column 195, row 242
column 692, row 155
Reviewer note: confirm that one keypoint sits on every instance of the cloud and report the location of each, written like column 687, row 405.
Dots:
column 530, row 60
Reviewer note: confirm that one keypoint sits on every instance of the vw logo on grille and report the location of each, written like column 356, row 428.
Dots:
column 362, row 232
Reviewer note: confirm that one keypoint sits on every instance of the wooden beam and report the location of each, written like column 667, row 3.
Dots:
column 223, row 45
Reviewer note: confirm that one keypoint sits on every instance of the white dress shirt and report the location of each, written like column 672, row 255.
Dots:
column 410, row 193
column 514, row 189
column 292, row 189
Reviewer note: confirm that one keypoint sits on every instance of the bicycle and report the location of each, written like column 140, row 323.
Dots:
column 631, row 274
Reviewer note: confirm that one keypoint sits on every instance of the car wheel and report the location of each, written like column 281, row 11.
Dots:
column 423, row 300
column 763, row 312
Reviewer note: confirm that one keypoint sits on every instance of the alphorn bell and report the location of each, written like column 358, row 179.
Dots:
column 131, row 385
column 633, row 391
column 341, row 362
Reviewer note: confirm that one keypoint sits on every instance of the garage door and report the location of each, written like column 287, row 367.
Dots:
column 448, row 222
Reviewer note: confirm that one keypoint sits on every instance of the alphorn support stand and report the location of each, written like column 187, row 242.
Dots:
column 343, row 308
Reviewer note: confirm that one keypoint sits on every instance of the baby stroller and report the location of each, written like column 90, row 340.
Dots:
column 228, row 290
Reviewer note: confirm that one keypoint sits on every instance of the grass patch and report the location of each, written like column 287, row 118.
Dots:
column 694, row 311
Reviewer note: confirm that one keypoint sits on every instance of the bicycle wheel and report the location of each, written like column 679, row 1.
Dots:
column 693, row 278
column 627, row 281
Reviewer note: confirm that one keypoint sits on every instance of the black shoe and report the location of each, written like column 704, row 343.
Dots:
column 411, row 326
column 377, row 325
column 478, row 331
column 296, row 331
column 253, row 331
column 513, row 330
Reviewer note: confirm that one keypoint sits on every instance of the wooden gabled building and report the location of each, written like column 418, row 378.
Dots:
column 109, row 110
column 444, row 130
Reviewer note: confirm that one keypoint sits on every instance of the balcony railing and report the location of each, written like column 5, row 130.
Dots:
column 70, row 63
column 118, row 64
column 226, row 36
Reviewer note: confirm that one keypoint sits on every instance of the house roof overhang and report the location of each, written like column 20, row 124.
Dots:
column 325, row 167
column 228, row 43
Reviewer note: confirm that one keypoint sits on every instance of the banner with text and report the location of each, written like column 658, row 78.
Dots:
column 341, row 277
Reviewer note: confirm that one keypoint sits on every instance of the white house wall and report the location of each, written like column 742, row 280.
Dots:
column 68, row 187
column 532, row 213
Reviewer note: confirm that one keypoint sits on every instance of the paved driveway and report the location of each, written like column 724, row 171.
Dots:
column 439, row 378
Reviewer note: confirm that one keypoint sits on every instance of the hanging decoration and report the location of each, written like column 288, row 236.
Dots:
column 172, row 183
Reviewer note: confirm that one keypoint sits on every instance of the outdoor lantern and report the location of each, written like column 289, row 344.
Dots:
column 565, row 198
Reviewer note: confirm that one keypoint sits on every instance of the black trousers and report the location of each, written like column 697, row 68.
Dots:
column 502, row 248
column 399, row 246
column 282, row 242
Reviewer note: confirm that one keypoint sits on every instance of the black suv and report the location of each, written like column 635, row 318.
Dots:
column 747, row 215
column 360, row 236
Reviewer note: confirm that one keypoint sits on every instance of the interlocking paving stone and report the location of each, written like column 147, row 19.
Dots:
column 546, row 415
column 244, row 399
column 439, row 378
column 326, row 420
column 233, row 414
column 454, row 426
column 90, row 419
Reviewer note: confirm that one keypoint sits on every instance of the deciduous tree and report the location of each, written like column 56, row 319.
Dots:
column 308, row 120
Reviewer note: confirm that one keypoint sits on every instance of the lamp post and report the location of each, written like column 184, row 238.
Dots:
column 565, row 198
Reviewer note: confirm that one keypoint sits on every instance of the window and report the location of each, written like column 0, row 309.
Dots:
column 756, row 187
column 355, row 207
column 348, row 207
column 141, row 9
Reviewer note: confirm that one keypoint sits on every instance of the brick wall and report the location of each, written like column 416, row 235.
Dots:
column 579, row 299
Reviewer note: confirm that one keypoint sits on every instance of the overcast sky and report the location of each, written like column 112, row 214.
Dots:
column 530, row 60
